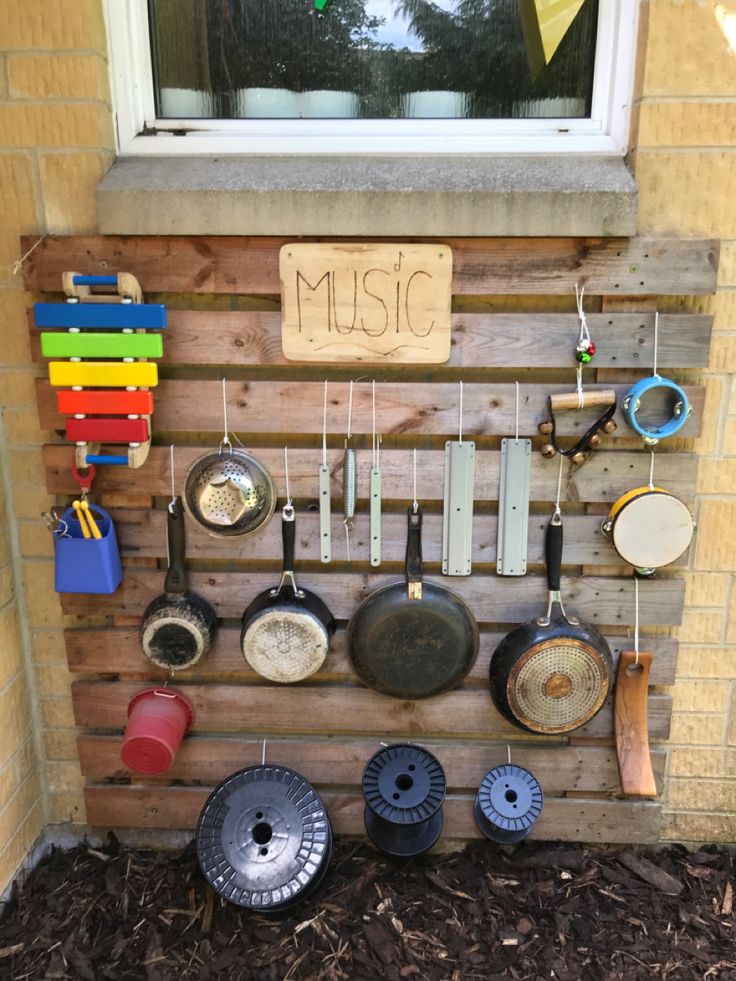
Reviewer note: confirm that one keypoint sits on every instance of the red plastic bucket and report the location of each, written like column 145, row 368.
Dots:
column 157, row 721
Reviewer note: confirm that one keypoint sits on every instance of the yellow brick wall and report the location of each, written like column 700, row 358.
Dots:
column 685, row 165
column 56, row 139
column 56, row 142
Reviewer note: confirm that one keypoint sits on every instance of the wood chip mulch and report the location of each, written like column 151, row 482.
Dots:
column 531, row 912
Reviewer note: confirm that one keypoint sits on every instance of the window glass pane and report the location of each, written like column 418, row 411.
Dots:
column 373, row 59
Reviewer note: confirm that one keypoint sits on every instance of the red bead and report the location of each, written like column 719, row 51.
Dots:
column 591, row 348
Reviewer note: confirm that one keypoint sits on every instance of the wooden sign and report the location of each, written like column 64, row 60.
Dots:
column 366, row 302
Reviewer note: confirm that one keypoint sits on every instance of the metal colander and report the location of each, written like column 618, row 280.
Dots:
column 229, row 493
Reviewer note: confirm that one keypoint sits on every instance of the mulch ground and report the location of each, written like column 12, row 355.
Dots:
column 531, row 912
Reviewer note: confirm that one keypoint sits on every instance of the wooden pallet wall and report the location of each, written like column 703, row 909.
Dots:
column 509, row 324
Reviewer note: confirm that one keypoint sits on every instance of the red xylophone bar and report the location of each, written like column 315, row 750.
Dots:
column 107, row 430
column 104, row 402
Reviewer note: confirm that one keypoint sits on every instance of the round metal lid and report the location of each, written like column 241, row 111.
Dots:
column 403, row 784
column 264, row 839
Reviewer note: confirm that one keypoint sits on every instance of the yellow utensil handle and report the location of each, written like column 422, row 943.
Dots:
column 96, row 533
column 82, row 518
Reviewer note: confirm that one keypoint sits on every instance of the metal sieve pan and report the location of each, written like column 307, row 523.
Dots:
column 229, row 493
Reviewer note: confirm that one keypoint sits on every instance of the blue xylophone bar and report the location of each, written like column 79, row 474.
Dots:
column 95, row 280
column 98, row 458
column 103, row 316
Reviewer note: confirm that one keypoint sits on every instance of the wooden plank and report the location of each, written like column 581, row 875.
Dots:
column 604, row 476
column 143, row 533
column 491, row 598
column 479, row 340
column 402, row 408
column 114, row 650
column 331, row 762
column 541, row 266
column 625, row 822
column 336, row 709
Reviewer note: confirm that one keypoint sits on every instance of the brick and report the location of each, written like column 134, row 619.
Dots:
column 722, row 353
column 63, row 775
column 706, row 589
column 701, row 696
column 676, row 193
column 26, row 467
column 730, row 637
column 702, row 795
column 16, row 348
column 22, row 428
column 42, row 603
column 35, row 540
column 31, row 500
column 15, row 715
column 7, row 584
column 18, row 205
column 10, row 645
column 731, row 735
column 48, row 647
column 53, row 680
column 716, row 476
column 68, row 183
column 57, row 76
column 688, row 52
column 52, row 25
column 731, row 763
column 60, row 744
column 698, row 627
column 699, row 827
column 697, row 763
column 697, row 729
column 56, row 713
column 19, row 845
column 66, row 806
column 687, row 124
column 715, row 390
column 715, row 544
column 727, row 264
column 722, row 306
column 729, row 437
column 13, row 813
column 706, row 662
column 19, row 386
column 56, row 124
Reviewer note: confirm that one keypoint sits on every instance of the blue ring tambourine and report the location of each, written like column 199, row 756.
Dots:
column 632, row 403
column 86, row 565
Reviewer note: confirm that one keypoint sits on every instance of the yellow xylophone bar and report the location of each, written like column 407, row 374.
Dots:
column 104, row 374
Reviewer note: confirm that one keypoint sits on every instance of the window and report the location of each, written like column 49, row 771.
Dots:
column 383, row 76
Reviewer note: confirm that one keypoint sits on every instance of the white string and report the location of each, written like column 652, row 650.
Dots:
column 579, row 385
column 460, row 431
column 324, row 428
column 656, row 343
column 346, row 524
column 415, row 503
column 583, row 338
column 559, row 487
column 350, row 411
column 516, row 436
column 172, row 502
column 508, row 752
column 374, row 445
column 636, row 618
column 286, row 473
column 651, row 471
column 263, row 754
column 226, row 437
column 18, row 264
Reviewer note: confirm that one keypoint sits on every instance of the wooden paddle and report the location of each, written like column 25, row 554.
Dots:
column 630, row 721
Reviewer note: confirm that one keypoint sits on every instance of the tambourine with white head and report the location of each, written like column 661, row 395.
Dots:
column 639, row 391
column 649, row 528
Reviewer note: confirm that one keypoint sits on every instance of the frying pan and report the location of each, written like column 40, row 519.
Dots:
column 286, row 631
column 413, row 639
column 551, row 674
column 178, row 627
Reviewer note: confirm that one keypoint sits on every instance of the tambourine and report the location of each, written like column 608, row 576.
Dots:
column 632, row 402
column 649, row 528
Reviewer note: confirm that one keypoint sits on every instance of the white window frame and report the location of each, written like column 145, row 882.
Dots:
column 606, row 132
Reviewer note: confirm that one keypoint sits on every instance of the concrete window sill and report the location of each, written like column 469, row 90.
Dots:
column 368, row 196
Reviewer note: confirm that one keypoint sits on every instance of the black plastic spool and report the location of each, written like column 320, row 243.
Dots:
column 508, row 803
column 264, row 839
column 404, row 787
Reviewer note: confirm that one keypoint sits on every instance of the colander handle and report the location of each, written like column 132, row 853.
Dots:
column 176, row 577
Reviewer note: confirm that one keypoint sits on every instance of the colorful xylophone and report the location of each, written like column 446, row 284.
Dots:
column 104, row 384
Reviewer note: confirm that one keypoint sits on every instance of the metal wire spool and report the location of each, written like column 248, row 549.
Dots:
column 404, row 787
column 508, row 803
column 264, row 840
column 229, row 493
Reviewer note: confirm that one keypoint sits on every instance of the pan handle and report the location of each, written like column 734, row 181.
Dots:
column 176, row 577
column 414, row 552
column 288, row 539
column 553, row 552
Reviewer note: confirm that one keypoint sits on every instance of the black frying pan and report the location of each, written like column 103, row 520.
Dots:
column 552, row 674
column 413, row 639
column 286, row 631
column 178, row 627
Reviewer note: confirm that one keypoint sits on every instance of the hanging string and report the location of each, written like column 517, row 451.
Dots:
column 263, row 754
column 516, row 425
column 18, row 264
column 374, row 443
column 350, row 411
column 460, row 429
column 289, row 502
column 656, row 344
column 347, row 539
column 636, row 619
column 324, row 428
column 558, row 512
column 225, row 441
column 415, row 503
column 583, row 340
column 651, row 471
column 172, row 502
column 508, row 752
